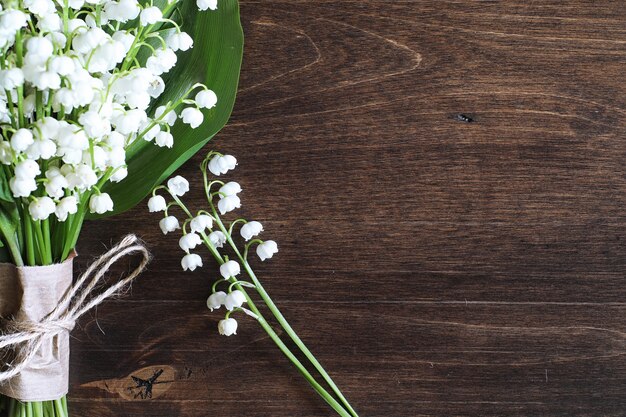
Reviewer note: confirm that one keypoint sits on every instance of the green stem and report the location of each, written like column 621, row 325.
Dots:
column 301, row 368
column 281, row 319
column 30, row 246
column 281, row 345
column 44, row 250
column 55, row 408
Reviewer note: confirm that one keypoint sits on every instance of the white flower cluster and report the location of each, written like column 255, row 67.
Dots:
column 207, row 228
column 73, row 96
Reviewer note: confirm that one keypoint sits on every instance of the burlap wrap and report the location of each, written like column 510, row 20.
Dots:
column 30, row 294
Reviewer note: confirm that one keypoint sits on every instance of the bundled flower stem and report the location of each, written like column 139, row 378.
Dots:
column 80, row 82
column 207, row 228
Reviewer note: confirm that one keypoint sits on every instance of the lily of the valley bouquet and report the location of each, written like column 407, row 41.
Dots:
column 99, row 102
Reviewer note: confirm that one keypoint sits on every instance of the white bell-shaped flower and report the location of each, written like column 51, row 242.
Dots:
column 217, row 239
column 228, row 204
column 123, row 10
column 100, row 203
column 21, row 140
column 207, row 4
column 200, row 223
column 222, row 164
column 230, row 269
column 169, row 118
column 192, row 116
column 227, row 327
column 206, row 99
column 39, row 50
column 41, row 208
column 80, row 176
column 162, row 61
column 164, row 139
column 150, row 16
column 11, row 78
column 180, row 42
column 22, row 187
column 230, row 188
column 55, row 187
column 169, row 224
column 267, row 249
column 6, row 153
column 178, row 185
column 251, row 229
column 67, row 206
column 119, row 174
column 44, row 149
column 27, row 169
column 62, row 65
column 216, row 300
column 234, row 300
column 157, row 203
column 189, row 241
column 191, row 261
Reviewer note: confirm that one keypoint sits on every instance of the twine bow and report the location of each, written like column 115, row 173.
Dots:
column 30, row 335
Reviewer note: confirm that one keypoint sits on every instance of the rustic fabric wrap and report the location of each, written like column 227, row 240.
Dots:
column 41, row 306
column 29, row 294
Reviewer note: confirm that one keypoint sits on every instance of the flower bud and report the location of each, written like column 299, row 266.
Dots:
column 227, row 327
column 230, row 269
column 251, row 229
column 216, row 300
column 191, row 262
column 234, row 300
column 169, row 224
column 156, row 203
column 267, row 249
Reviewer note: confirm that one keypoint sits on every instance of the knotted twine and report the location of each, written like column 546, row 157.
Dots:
column 31, row 340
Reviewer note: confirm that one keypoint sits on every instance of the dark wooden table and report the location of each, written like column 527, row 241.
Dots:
column 446, row 183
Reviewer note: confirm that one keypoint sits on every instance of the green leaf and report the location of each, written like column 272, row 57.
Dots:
column 5, row 191
column 215, row 61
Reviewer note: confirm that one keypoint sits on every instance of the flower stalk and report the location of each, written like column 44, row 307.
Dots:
column 208, row 228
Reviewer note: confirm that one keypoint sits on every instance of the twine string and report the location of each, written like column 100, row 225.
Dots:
column 29, row 336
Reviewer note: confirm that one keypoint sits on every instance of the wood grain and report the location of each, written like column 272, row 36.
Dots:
column 446, row 183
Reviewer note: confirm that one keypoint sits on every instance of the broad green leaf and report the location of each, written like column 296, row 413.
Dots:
column 215, row 61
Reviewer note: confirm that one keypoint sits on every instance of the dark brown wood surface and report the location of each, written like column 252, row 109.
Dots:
column 447, row 184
